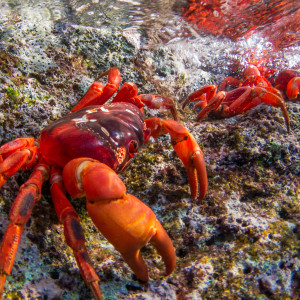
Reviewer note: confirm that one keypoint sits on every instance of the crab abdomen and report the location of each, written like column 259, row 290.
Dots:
column 103, row 132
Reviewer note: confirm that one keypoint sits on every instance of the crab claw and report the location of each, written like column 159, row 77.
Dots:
column 293, row 88
column 191, row 155
column 123, row 219
column 16, row 154
column 213, row 104
column 208, row 90
column 188, row 151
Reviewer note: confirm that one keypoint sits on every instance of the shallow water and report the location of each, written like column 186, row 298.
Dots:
column 247, row 30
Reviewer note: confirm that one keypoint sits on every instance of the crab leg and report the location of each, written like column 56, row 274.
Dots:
column 188, row 151
column 272, row 97
column 246, row 98
column 208, row 90
column 123, row 219
column 202, row 102
column 213, row 104
column 158, row 102
column 20, row 153
column 229, row 81
column 73, row 232
column 17, row 144
column 255, row 96
column 98, row 93
column 128, row 93
column 29, row 193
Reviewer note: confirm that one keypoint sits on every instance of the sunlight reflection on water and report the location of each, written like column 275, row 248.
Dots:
column 149, row 24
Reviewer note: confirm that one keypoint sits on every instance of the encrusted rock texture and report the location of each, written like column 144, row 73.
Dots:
column 240, row 242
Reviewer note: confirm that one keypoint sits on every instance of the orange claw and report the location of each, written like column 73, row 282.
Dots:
column 293, row 88
column 17, row 154
column 188, row 151
column 123, row 219
column 17, row 144
column 209, row 90
column 213, row 104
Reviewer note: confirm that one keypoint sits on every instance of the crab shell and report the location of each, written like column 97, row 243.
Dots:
column 110, row 134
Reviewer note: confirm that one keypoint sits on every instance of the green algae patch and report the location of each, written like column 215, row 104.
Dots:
column 12, row 94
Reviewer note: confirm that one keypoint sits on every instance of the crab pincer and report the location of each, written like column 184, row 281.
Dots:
column 20, row 153
column 123, row 219
column 209, row 91
column 293, row 88
column 187, row 150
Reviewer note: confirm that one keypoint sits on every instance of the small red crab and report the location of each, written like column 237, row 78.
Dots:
column 252, row 91
column 82, row 153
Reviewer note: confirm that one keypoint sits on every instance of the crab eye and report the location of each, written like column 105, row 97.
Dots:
column 133, row 147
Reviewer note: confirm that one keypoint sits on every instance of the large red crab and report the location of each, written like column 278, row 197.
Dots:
column 253, row 90
column 82, row 154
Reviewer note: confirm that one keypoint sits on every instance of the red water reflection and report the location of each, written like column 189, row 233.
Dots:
column 278, row 21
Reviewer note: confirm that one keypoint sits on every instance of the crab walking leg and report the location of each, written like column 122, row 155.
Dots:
column 29, row 193
column 128, row 93
column 20, row 153
column 188, row 151
column 158, row 102
column 23, row 158
column 17, row 144
column 209, row 91
column 73, row 232
column 272, row 97
column 202, row 102
column 229, row 81
column 256, row 95
column 213, row 104
column 123, row 219
column 98, row 93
